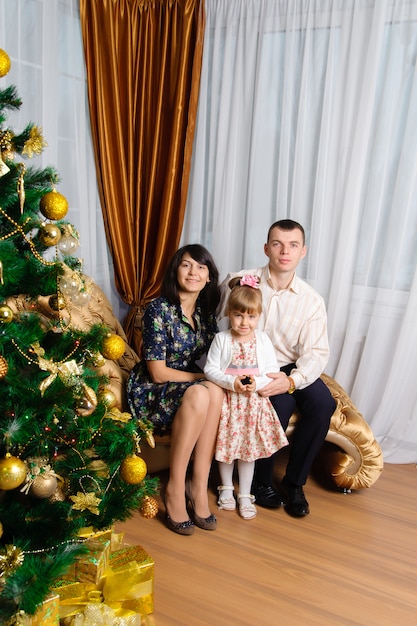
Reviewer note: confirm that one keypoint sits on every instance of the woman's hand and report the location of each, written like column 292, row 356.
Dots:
column 160, row 373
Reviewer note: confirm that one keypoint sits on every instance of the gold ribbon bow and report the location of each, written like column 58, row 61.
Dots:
column 68, row 373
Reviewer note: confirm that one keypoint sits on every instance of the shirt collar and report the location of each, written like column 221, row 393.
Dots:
column 294, row 285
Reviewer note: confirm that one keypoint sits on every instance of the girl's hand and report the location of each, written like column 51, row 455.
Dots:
column 242, row 386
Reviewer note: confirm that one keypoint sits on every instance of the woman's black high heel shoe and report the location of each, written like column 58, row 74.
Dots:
column 206, row 523
column 182, row 528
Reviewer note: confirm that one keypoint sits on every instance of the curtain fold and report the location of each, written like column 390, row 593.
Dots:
column 143, row 63
column 308, row 110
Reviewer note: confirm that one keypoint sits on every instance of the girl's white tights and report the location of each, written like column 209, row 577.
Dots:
column 245, row 471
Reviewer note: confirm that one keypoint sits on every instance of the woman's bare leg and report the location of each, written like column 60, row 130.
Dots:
column 188, row 424
column 204, row 451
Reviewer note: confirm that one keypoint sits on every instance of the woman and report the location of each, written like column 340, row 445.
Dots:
column 168, row 387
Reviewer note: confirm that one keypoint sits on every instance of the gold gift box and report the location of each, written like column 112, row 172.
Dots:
column 47, row 614
column 129, row 581
column 126, row 587
column 116, row 539
column 73, row 596
column 91, row 566
column 88, row 532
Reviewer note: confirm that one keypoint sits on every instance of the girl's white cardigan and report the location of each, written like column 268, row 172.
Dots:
column 220, row 355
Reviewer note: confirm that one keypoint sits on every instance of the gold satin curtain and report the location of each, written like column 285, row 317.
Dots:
column 143, row 61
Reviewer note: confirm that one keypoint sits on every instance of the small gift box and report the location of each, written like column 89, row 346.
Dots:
column 47, row 614
column 90, row 566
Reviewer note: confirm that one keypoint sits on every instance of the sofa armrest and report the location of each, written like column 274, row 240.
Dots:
column 359, row 462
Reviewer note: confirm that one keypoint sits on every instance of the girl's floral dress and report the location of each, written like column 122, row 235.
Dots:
column 249, row 427
column 167, row 335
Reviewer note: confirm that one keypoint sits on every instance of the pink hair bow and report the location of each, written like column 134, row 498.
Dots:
column 250, row 281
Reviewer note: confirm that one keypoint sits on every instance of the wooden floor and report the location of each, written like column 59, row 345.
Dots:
column 353, row 560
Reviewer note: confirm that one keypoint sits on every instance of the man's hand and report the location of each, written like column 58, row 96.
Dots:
column 279, row 384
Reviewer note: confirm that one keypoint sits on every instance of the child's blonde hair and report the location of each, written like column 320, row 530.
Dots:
column 245, row 297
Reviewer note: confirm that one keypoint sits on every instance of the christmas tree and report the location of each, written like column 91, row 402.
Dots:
column 69, row 456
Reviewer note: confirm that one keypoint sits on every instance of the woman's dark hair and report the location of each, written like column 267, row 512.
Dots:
column 210, row 296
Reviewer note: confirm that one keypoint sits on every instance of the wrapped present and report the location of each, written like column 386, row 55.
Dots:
column 83, row 604
column 126, row 588
column 128, row 583
column 47, row 614
column 89, row 532
column 116, row 541
column 74, row 596
column 98, row 614
column 91, row 566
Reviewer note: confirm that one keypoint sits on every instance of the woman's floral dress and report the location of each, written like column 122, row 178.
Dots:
column 249, row 427
column 167, row 336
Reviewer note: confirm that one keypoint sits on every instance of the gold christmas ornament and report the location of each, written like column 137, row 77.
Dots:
column 4, row 367
column 113, row 347
column 133, row 469
column 12, row 472
column 59, row 494
column 49, row 234
column 53, row 205
column 1, row 529
column 68, row 245
column 4, row 169
column 5, row 63
column 82, row 298
column 56, row 302
column 41, row 480
column 149, row 507
column 88, row 403
column 21, row 186
column 43, row 486
column 6, row 314
column 98, row 360
column 107, row 397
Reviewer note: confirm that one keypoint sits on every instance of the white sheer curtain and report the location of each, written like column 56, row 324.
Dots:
column 308, row 110
column 43, row 40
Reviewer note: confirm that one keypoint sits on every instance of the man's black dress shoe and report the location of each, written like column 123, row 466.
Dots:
column 295, row 500
column 267, row 497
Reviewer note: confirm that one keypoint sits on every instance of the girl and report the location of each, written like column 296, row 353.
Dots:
column 249, row 428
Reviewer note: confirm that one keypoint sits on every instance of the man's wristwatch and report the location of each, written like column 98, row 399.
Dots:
column 291, row 388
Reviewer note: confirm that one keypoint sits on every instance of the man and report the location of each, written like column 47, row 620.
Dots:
column 294, row 316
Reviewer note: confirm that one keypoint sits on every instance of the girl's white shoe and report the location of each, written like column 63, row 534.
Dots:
column 225, row 502
column 247, row 509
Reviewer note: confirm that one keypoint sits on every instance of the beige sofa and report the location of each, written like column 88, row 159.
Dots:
column 354, row 461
